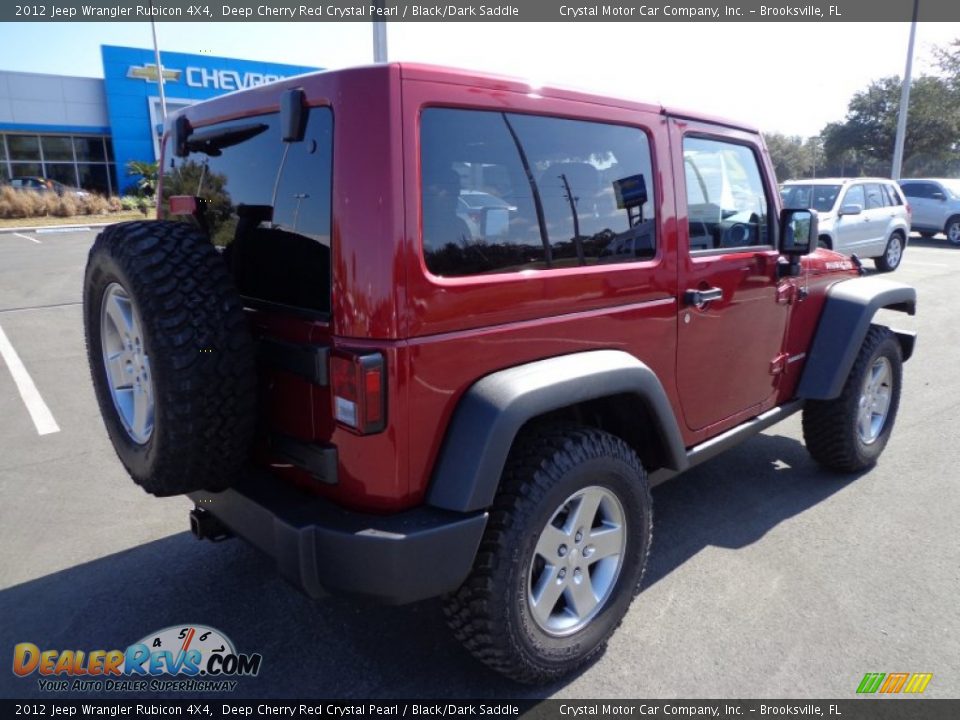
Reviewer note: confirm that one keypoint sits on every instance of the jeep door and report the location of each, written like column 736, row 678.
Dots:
column 731, row 320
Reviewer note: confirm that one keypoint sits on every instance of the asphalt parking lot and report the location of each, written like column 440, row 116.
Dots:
column 768, row 578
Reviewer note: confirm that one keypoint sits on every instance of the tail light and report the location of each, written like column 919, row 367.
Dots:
column 359, row 390
column 909, row 211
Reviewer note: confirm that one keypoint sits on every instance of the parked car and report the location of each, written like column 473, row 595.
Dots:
column 392, row 413
column 936, row 206
column 45, row 185
column 868, row 217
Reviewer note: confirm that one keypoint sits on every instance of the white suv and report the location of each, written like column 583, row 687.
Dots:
column 868, row 217
column 936, row 206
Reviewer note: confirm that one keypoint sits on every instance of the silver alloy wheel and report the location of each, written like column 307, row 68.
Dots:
column 577, row 561
column 875, row 401
column 953, row 232
column 894, row 251
column 126, row 363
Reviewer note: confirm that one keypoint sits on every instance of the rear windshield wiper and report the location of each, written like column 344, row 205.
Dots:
column 213, row 141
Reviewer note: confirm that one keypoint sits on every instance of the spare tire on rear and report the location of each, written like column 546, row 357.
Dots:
column 171, row 356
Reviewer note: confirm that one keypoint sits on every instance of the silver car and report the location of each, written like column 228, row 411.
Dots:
column 936, row 206
column 868, row 217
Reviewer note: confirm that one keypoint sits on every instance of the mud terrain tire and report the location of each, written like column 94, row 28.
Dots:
column 165, row 328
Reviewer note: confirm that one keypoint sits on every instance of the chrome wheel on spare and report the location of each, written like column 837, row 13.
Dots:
column 848, row 433
column 578, row 559
column 875, row 401
column 126, row 363
column 562, row 557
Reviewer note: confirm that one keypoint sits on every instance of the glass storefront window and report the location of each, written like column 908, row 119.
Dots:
column 94, row 177
column 26, row 169
column 89, row 149
column 62, row 172
column 23, row 147
column 57, row 148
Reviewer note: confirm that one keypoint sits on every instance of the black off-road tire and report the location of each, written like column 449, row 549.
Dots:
column 200, row 350
column 490, row 614
column 830, row 426
column 890, row 261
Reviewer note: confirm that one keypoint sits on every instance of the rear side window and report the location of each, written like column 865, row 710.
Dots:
column 893, row 197
column 268, row 202
column 503, row 192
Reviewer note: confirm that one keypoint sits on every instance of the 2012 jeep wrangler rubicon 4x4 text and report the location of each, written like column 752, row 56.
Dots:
column 418, row 332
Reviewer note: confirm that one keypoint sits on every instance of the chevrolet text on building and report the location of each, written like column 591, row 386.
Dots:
column 83, row 132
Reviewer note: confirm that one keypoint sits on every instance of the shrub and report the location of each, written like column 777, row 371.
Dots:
column 65, row 206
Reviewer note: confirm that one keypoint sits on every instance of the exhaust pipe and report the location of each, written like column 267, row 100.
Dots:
column 205, row 526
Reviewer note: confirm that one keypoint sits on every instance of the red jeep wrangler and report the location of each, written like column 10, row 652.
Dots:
column 418, row 332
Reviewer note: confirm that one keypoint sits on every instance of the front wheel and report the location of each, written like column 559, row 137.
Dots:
column 952, row 230
column 892, row 255
column 562, row 558
column 848, row 434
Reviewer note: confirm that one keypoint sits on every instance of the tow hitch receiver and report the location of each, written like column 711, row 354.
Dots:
column 206, row 527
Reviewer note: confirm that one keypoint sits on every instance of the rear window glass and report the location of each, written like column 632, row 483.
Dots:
column 268, row 202
column 505, row 192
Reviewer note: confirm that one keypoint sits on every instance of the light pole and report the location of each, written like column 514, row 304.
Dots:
column 379, row 37
column 156, row 55
column 904, row 100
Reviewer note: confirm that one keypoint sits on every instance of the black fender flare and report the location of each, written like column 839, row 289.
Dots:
column 844, row 322
column 492, row 411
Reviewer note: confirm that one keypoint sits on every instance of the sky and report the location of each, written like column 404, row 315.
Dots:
column 784, row 77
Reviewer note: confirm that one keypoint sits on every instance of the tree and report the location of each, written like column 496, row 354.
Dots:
column 146, row 174
column 863, row 143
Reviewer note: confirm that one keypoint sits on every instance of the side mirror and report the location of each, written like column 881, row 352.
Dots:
column 181, row 133
column 798, row 232
column 851, row 209
column 293, row 115
column 937, row 195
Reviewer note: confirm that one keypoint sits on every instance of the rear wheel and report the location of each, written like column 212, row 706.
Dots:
column 892, row 255
column 562, row 558
column 170, row 355
column 849, row 433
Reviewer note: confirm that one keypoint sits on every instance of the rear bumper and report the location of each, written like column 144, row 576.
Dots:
column 322, row 548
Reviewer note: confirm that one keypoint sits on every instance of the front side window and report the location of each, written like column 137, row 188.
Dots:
column 919, row 190
column 503, row 192
column 819, row 197
column 726, row 203
column 856, row 196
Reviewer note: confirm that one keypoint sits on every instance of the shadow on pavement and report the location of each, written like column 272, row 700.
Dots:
column 336, row 648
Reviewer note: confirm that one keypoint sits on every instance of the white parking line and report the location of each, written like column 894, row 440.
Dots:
column 918, row 262
column 27, row 237
column 39, row 412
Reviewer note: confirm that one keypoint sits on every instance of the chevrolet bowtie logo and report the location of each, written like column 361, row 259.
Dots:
column 149, row 73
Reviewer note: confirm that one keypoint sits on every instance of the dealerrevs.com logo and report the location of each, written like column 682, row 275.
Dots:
column 200, row 658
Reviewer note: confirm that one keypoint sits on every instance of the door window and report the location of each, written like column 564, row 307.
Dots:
column 874, row 196
column 727, row 205
column 855, row 196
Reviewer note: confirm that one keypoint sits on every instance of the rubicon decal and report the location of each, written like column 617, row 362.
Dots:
column 893, row 683
column 191, row 650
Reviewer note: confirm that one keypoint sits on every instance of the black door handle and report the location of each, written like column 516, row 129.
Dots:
column 702, row 297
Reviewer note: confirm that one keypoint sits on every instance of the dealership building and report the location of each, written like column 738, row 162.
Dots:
column 83, row 131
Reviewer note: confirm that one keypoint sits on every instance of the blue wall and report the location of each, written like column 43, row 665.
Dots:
column 189, row 77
